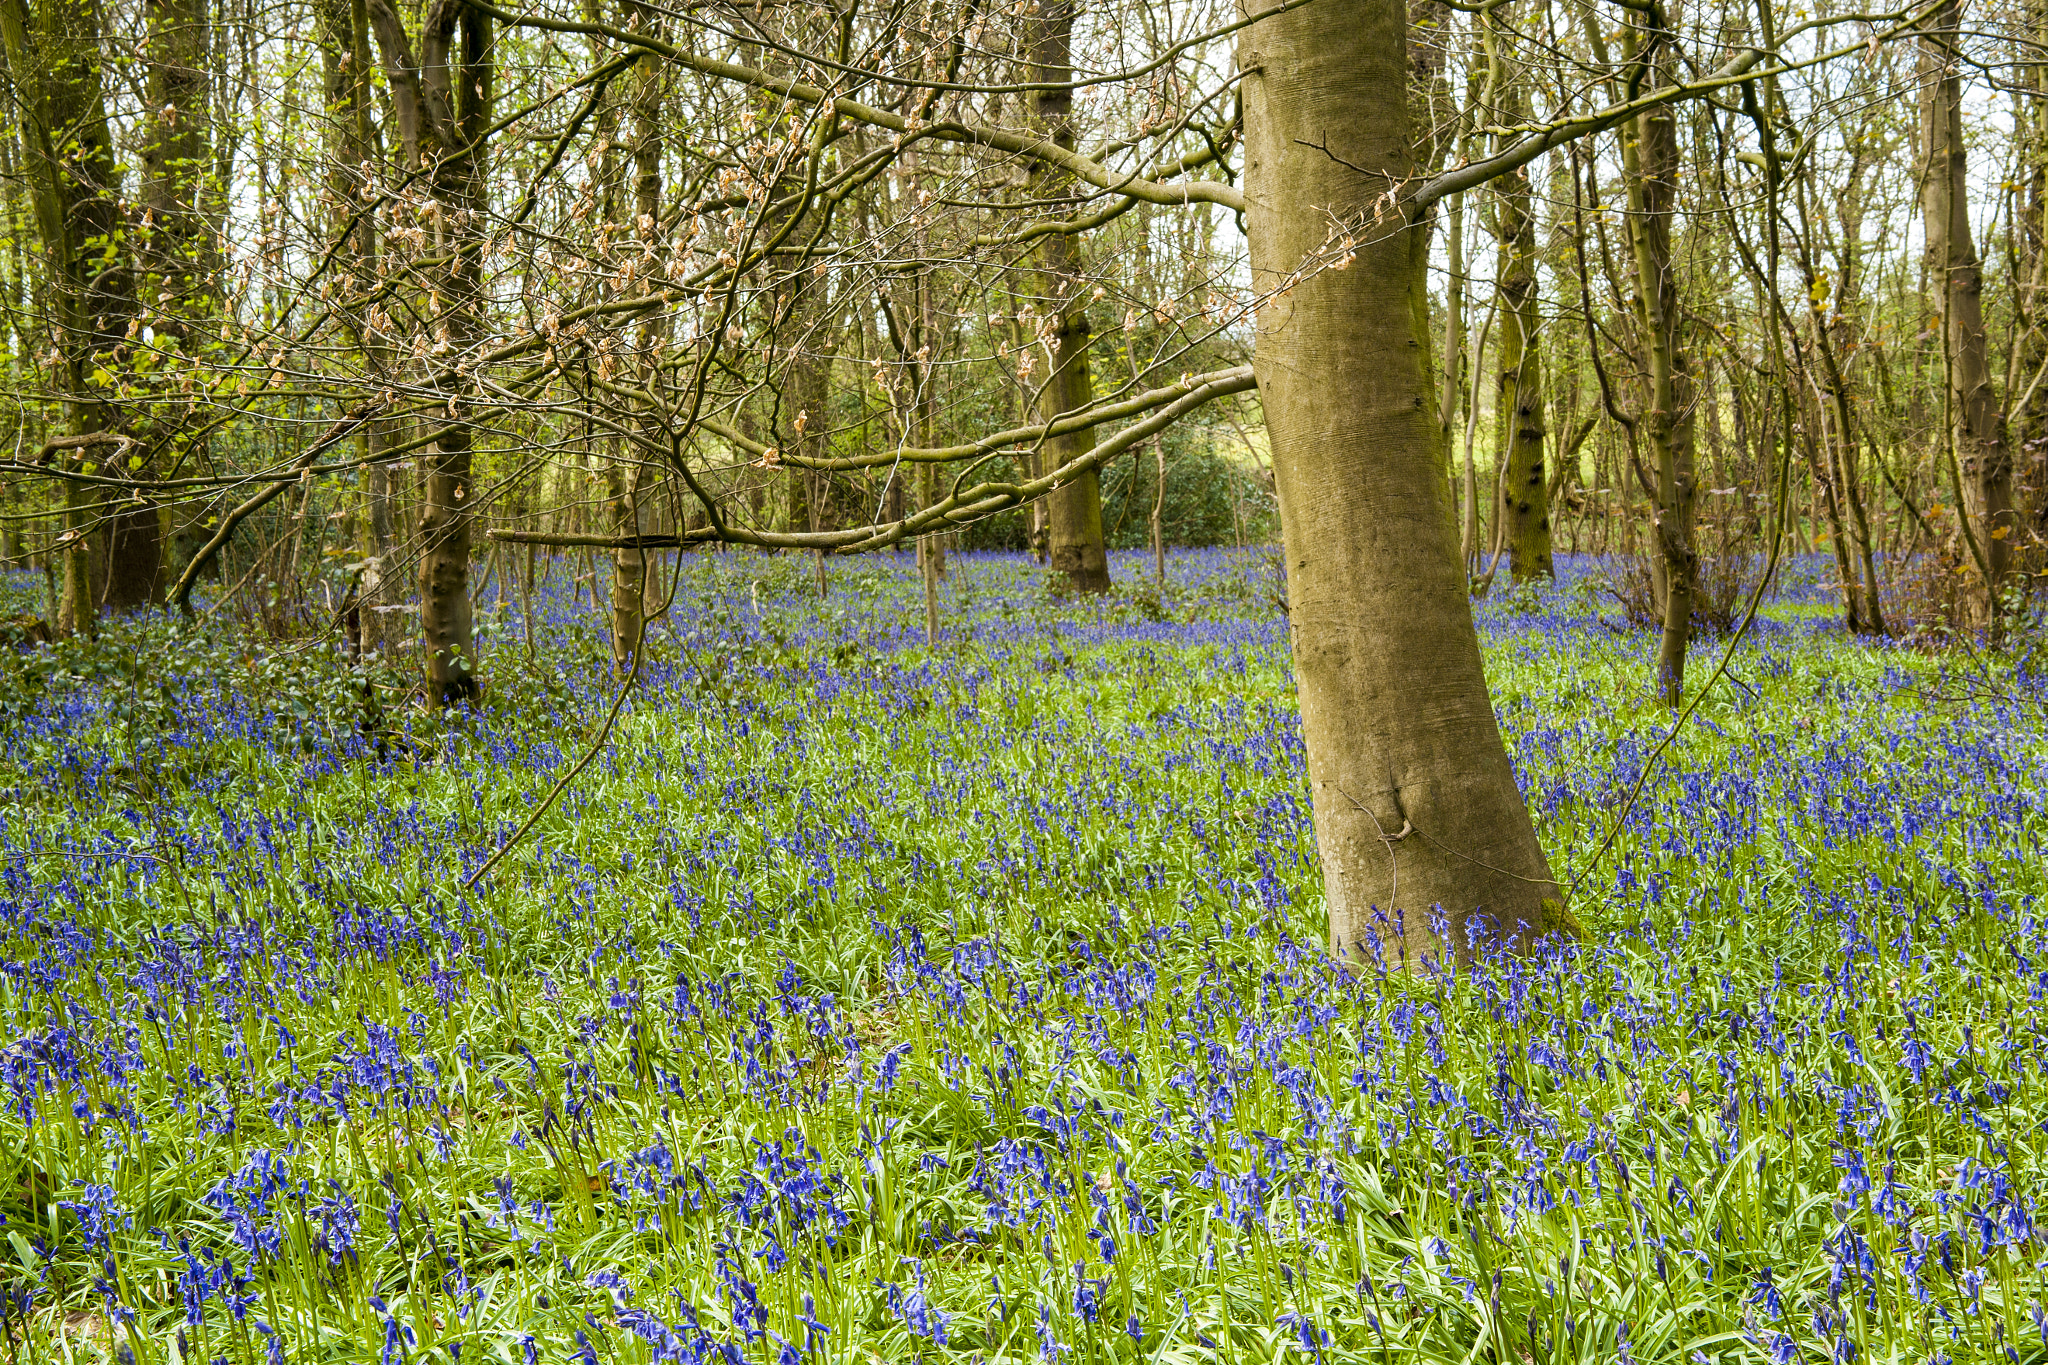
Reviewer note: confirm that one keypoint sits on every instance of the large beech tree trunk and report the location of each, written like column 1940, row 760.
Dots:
column 1415, row 804
column 1076, row 508
column 1953, row 271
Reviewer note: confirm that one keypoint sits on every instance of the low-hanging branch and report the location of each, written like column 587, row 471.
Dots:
column 181, row 594
column 965, row 505
column 1078, row 420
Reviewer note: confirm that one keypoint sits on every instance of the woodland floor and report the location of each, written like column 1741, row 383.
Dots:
column 863, row 1001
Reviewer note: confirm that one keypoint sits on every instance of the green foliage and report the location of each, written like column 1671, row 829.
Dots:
column 1211, row 498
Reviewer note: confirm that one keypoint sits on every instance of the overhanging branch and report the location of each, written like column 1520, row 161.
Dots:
column 966, row 505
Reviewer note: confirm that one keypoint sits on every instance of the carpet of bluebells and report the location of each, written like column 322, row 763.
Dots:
column 868, row 1002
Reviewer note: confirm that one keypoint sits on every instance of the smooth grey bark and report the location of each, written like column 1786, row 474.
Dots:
column 1425, row 843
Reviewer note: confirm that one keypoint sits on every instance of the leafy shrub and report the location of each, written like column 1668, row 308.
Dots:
column 1201, row 484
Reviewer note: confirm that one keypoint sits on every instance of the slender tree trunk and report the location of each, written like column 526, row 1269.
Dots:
column 1454, row 365
column 1415, row 803
column 54, row 62
column 177, row 257
column 1158, row 510
column 1977, row 424
column 376, row 603
column 2029, row 422
column 443, row 105
column 1650, row 164
column 797, row 501
column 1518, row 401
column 353, row 159
column 78, row 606
column 625, row 511
column 931, row 549
column 445, row 517
column 626, row 480
column 1833, row 332
column 1074, row 510
column 1866, row 615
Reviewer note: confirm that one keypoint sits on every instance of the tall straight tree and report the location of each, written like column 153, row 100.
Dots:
column 1649, row 154
column 54, row 50
column 626, row 482
column 2027, row 399
column 1518, row 395
column 1416, row 808
column 353, row 157
column 177, row 257
column 1076, row 508
column 1833, row 338
column 1979, row 457
column 443, row 107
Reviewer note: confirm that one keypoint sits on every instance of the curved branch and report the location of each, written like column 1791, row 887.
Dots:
column 967, row 505
column 181, row 594
column 1078, row 420
column 1176, row 193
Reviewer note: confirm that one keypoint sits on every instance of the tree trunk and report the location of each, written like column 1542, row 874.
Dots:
column 1074, row 510
column 78, row 606
column 2029, row 423
column 626, row 480
column 1453, row 369
column 443, row 104
column 1158, row 510
column 375, row 599
column 54, row 62
column 1518, row 403
column 345, row 48
column 1415, row 803
column 445, row 516
column 1976, row 425
column 176, row 254
column 625, row 510
column 1650, row 163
